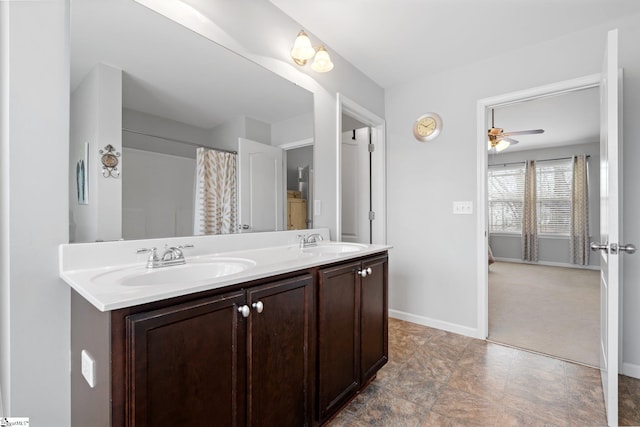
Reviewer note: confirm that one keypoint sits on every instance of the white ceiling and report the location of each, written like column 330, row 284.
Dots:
column 570, row 118
column 395, row 41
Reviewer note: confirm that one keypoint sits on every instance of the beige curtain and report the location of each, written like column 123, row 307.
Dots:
column 215, row 210
column 579, row 241
column 529, row 217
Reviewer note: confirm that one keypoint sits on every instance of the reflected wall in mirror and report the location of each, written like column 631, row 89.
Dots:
column 157, row 91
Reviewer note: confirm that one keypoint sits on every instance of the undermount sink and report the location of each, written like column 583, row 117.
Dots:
column 333, row 248
column 187, row 273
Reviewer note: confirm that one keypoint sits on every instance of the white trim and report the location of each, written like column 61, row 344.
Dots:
column 379, row 179
column 437, row 324
column 630, row 370
column 296, row 144
column 548, row 263
column 483, row 107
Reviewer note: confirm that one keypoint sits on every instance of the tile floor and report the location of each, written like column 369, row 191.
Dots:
column 436, row 378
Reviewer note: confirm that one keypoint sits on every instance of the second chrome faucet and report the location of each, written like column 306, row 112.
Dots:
column 173, row 255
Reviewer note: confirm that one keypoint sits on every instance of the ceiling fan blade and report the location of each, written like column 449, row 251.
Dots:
column 523, row 132
column 511, row 140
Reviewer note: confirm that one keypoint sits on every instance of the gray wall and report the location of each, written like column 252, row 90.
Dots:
column 34, row 217
column 96, row 119
column 436, row 283
column 552, row 249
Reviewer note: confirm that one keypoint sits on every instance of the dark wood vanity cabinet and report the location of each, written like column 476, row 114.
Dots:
column 352, row 330
column 203, row 363
column 284, row 351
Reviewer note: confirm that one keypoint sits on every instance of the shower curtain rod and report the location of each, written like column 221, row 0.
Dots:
column 193, row 144
column 542, row 160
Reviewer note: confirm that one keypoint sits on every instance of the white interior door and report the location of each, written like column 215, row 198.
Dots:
column 609, row 227
column 356, row 186
column 260, row 186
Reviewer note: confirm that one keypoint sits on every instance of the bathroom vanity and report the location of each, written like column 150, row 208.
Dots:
column 287, row 341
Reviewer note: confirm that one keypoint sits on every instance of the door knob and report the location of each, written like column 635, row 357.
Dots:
column 598, row 247
column 258, row 306
column 362, row 273
column 629, row 248
column 369, row 271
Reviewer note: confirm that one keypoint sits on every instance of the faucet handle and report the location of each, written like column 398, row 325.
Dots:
column 153, row 256
column 147, row 250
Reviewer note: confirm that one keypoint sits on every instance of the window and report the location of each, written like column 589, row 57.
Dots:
column 506, row 198
column 553, row 196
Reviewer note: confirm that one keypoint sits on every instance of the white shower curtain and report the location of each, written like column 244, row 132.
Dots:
column 579, row 241
column 215, row 201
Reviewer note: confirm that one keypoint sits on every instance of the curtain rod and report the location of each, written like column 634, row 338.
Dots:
column 543, row 160
column 193, row 144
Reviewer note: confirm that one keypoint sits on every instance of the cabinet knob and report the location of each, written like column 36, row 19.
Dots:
column 258, row 306
column 244, row 310
column 365, row 272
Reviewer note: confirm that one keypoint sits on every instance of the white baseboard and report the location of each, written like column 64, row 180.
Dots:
column 437, row 324
column 549, row 263
column 630, row 370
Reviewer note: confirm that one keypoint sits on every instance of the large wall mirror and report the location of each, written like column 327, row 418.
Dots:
column 165, row 97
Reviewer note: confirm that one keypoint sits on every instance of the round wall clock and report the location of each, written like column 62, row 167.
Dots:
column 427, row 127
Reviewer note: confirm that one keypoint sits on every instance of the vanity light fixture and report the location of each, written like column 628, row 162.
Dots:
column 303, row 51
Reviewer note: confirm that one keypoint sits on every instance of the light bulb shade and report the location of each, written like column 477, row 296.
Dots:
column 322, row 62
column 503, row 144
column 302, row 49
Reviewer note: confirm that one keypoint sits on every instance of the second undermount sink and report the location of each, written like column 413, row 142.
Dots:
column 334, row 248
column 187, row 273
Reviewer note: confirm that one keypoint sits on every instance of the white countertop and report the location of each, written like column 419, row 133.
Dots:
column 88, row 278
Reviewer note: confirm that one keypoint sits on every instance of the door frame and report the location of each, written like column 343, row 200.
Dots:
column 483, row 114
column 379, row 166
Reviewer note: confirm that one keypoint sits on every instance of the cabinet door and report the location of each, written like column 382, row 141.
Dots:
column 186, row 364
column 280, row 349
column 374, row 351
column 338, row 337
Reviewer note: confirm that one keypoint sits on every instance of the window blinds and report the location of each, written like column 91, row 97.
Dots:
column 553, row 194
column 506, row 198
column 553, row 188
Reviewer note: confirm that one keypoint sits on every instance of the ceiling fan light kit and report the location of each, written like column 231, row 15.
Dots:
column 499, row 140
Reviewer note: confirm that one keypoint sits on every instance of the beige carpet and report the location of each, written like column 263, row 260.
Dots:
column 551, row 310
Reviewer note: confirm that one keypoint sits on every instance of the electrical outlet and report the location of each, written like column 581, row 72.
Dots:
column 88, row 368
column 463, row 208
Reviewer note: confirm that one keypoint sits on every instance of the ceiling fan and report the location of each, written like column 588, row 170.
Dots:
column 500, row 140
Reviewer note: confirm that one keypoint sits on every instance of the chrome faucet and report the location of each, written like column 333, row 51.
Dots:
column 173, row 255
column 308, row 240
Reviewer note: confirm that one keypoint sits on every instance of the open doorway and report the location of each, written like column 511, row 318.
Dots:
column 355, row 170
column 370, row 133
column 541, row 295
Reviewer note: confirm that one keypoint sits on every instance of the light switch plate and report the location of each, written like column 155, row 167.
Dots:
column 317, row 207
column 463, row 208
column 88, row 368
